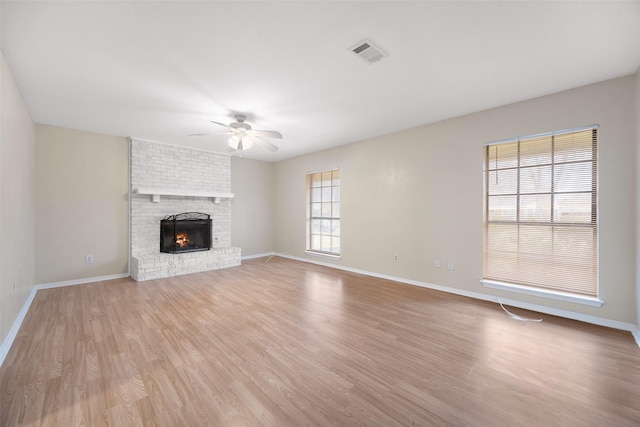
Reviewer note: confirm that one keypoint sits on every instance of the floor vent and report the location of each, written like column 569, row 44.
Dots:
column 368, row 52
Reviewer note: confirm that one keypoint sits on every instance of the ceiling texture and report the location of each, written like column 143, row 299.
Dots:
column 162, row 70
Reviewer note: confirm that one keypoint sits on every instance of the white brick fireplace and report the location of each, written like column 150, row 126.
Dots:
column 168, row 180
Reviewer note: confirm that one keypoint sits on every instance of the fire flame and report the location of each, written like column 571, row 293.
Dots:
column 182, row 240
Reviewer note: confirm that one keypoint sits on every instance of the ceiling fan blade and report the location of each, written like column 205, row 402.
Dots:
column 221, row 124
column 262, row 143
column 266, row 133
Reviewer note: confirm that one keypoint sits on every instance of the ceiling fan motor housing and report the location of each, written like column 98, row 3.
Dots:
column 240, row 125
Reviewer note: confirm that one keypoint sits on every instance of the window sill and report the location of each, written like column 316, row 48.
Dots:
column 322, row 254
column 557, row 295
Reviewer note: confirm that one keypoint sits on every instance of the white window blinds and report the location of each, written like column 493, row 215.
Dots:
column 323, row 212
column 540, row 212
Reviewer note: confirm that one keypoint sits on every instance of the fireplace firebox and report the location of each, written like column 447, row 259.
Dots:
column 185, row 232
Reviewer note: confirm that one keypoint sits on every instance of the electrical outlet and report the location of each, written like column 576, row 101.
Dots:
column 450, row 265
column 88, row 259
column 395, row 257
column 437, row 263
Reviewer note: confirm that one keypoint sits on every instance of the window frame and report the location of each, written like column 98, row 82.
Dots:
column 528, row 288
column 311, row 247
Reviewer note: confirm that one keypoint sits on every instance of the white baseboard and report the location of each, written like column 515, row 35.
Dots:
column 485, row 297
column 266, row 254
column 636, row 335
column 81, row 281
column 13, row 332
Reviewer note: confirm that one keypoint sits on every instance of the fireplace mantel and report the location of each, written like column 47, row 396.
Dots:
column 155, row 194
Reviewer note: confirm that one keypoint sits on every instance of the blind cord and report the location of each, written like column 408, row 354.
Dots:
column 515, row 316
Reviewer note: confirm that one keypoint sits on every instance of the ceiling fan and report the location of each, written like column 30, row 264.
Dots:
column 243, row 136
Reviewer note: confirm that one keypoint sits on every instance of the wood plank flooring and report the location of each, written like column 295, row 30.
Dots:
column 285, row 343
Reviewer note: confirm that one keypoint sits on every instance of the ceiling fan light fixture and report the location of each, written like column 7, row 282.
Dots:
column 233, row 143
column 240, row 143
column 246, row 143
column 243, row 136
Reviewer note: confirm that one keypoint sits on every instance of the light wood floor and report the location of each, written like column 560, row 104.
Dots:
column 290, row 344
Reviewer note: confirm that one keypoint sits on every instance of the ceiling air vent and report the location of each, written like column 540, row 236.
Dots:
column 368, row 51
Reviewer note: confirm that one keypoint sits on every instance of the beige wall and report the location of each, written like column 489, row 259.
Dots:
column 418, row 194
column 81, row 204
column 252, row 183
column 17, row 212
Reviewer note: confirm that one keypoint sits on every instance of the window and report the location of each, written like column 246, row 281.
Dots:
column 540, row 212
column 323, row 212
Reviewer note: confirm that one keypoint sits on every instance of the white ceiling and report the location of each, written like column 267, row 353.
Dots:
column 162, row 70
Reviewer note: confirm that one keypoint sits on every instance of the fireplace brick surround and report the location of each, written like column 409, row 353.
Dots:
column 178, row 169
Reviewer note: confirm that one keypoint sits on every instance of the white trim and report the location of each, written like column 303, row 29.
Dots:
column 337, row 168
column 562, row 296
column 266, row 254
column 322, row 254
column 13, row 332
column 636, row 334
column 80, row 281
column 543, row 134
column 615, row 324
